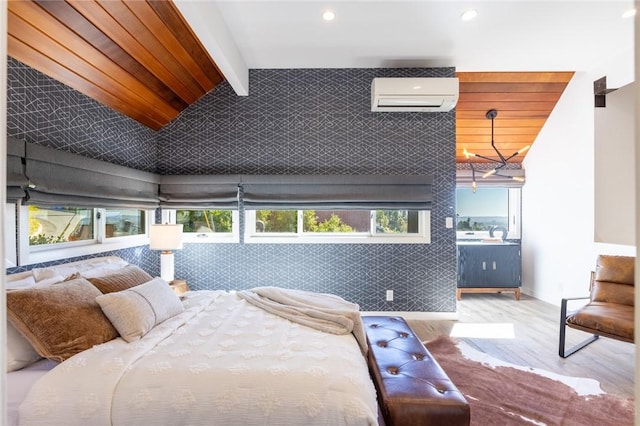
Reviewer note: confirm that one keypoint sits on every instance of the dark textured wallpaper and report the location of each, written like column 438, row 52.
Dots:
column 293, row 122
column 43, row 111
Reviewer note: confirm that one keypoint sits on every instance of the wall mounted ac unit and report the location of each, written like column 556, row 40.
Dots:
column 414, row 94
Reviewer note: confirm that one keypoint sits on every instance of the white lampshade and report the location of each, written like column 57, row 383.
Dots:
column 165, row 237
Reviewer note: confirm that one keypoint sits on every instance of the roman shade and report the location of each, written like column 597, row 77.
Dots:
column 61, row 178
column 199, row 191
column 346, row 192
column 50, row 177
column 16, row 179
column 464, row 178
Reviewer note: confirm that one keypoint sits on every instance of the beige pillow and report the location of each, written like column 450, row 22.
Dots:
column 60, row 320
column 134, row 312
column 127, row 277
column 20, row 353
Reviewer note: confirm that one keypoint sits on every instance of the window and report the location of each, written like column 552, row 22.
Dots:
column 122, row 223
column 205, row 226
column 276, row 221
column 52, row 233
column 485, row 210
column 397, row 222
column 337, row 226
column 60, row 225
column 341, row 221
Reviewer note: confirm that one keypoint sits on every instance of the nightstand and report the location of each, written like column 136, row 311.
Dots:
column 179, row 287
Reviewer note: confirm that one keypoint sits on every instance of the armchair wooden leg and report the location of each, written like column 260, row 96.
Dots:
column 562, row 351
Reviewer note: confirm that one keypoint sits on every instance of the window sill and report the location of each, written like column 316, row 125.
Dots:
column 52, row 254
column 322, row 239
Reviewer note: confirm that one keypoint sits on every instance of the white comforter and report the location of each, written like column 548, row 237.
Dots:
column 220, row 362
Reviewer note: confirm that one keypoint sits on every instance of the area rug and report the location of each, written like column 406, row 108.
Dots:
column 504, row 394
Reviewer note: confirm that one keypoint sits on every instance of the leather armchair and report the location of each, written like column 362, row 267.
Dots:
column 610, row 309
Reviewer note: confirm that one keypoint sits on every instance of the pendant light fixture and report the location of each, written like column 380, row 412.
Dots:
column 501, row 161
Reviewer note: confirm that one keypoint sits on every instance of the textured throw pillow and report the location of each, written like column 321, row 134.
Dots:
column 20, row 353
column 60, row 320
column 134, row 312
column 127, row 277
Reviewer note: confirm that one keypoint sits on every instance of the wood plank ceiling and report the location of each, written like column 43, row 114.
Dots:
column 524, row 101
column 142, row 59
column 137, row 57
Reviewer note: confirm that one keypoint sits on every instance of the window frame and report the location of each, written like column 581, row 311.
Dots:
column 514, row 218
column 423, row 236
column 28, row 255
column 10, row 241
column 169, row 216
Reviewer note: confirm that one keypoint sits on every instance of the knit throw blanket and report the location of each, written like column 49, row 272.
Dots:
column 325, row 312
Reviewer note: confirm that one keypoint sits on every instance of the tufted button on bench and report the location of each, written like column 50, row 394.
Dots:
column 412, row 387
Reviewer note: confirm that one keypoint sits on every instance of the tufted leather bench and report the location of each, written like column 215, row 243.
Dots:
column 412, row 387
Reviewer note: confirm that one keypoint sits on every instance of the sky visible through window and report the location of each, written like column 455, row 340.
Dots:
column 487, row 207
column 485, row 202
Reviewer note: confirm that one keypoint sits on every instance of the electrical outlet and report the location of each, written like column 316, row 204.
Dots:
column 389, row 295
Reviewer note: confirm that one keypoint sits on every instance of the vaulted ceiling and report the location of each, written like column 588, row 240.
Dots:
column 141, row 58
column 523, row 100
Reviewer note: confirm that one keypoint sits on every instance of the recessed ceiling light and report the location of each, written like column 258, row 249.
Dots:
column 469, row 14
column 329, row 15
column 629, row 13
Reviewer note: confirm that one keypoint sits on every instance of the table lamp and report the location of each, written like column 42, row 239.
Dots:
column 166, row 237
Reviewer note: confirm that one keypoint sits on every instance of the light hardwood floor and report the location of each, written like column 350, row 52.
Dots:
column 535, row 340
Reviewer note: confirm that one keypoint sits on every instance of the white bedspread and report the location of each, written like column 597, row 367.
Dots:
column 220, row 362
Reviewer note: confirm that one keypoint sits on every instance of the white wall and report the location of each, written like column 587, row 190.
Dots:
column 615, row 168
column 3, row 184
column 557, row 198
column 558, row 248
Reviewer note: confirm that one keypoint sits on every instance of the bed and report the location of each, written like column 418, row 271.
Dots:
column 131, row 352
